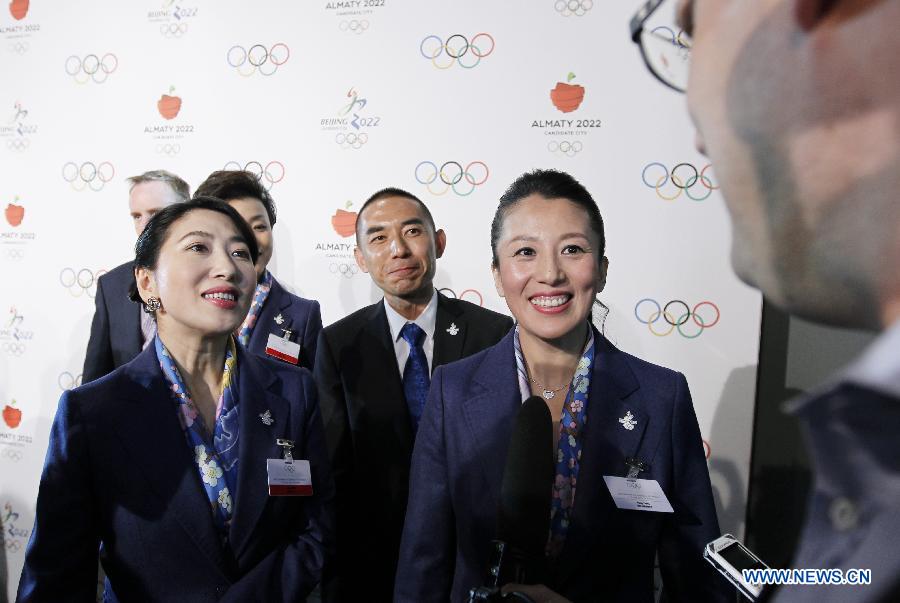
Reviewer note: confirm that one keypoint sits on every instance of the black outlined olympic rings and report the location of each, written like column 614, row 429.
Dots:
column 91, row 67
column 12, row 253
column 351, row 140
column 13, row 348
column 18, row 144
column 683, row 177
column 88, row 174
column 169, row 149
column 567, row 8
column 270, row 175
column 451, row 173
column 258, row 58
column 19, row 47
column 173, row 30
column 475, row 293
column 80, row 282
column 458, row 49
column 565, row 147
column 676, row 314
column 67, row 380
column 345, row 269
column 354, row 25
column 15, row 456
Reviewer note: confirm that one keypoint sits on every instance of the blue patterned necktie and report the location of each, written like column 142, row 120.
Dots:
column 416, row 378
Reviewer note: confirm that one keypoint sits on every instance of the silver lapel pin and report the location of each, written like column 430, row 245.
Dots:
column 266, row 417
column 453, row 330
column 628, row 421
column 279, row 319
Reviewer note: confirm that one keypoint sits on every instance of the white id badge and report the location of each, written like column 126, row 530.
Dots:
column 633, row 494
column 283, row 349
column 289, row 478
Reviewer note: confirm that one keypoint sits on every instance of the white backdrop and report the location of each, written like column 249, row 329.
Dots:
column 333, row 101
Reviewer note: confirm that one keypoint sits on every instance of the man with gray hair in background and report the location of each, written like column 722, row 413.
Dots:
column 119, row 330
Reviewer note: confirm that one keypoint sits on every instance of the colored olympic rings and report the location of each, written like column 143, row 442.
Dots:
column 565, row 147
column 83, row 282
column 91, row 67
column 19, row 47
column 88, row 174
column 457, row 48
column 258, row 58
column 567, row 8
column 13, row 348
column 273, row 173
column 346, row 270
column 67, row 380
column 168, row 149
column 15, row 456
column 678, row 40
column 451, row 173
column 173, row 30
column 451, row 293
column 676, row 315
column 17, row 144
column 351, row 140
column 355, row 26
column 684, row 177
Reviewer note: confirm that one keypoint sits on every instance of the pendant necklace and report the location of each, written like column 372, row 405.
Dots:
column 546, row 392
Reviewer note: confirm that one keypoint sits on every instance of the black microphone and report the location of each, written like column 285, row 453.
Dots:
column 523, row 516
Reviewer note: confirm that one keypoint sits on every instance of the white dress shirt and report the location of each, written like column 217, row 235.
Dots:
column 426, row 320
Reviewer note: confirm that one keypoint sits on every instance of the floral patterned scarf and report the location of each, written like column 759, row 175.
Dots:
column 259, row 298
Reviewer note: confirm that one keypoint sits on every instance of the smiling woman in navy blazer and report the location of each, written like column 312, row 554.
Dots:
column 274, row 310
column 160, row 466
column 607, row 406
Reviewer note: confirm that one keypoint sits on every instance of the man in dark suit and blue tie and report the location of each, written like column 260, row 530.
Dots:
column 373, row 369
column 119, row 331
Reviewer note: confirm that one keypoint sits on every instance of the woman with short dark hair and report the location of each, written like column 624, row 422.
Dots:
column 168, row 467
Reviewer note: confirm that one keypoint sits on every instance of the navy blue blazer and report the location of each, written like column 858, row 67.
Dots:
column 457, row 469
column 301, row 316
column 119, row 473
column 114, row 313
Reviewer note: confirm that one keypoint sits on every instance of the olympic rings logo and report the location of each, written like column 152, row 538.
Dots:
column 168, row 149
column 684, row 178
column 475, row 294
column 346, row 270
column 351, row 140
column 355, row 26
column 173, row 30
column 18, row 144
column 88, row 175
column 273, row 173
column 67, row 380
column 258, row 58
column 457, row 47
column 13, row 546
column 82, row 282
column 12, row 348
column 15, row 456
column 565, row 147
column 567, row 8
column 12, row 253
column 19, row 47
column 451, row 173
column 91, row 67
column 676, row 315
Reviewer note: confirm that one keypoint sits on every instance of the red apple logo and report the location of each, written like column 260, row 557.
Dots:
column 169, row 106
column 14, row 213
column 12, row 416
column 567, row 97
column 344, row 222
column 18, row 9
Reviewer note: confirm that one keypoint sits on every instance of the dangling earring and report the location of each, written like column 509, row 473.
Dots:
column 152, row 305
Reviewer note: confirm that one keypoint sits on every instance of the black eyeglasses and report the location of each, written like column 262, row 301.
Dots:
column 665, row 48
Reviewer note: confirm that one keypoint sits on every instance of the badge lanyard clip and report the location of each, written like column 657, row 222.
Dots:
column 287, row 445
column 635, row 467
column 287, row 334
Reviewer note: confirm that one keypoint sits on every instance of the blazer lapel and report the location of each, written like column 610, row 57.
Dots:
column 266, row 324
column 450, row 330
column 606, row 443
column 159, row 450
column 257, row 443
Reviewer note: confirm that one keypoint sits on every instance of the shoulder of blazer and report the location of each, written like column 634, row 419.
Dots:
column 472, row 311
column 284, row 298
column 346, row 329
column 648, row 374
column 117, row 282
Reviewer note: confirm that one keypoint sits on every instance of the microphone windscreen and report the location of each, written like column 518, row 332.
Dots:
column 523, row 518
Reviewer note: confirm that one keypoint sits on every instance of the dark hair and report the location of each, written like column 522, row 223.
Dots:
column 146, row 250
column 549, row 184
column 394, row 192
column 229, row 185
